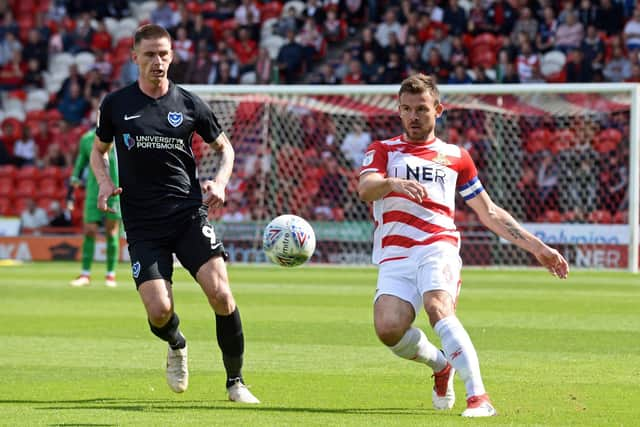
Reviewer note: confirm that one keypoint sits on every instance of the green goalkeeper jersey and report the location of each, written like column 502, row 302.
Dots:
column 82, row 163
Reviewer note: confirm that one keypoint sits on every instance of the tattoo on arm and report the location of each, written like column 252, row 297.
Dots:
column 513, row 229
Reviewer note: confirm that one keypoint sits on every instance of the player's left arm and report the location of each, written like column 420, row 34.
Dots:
column 214, row 189
column 504, row 225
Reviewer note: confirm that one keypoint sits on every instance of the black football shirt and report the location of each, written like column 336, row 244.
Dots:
column 156, row 165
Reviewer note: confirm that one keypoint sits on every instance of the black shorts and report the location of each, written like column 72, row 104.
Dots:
column 193, row 241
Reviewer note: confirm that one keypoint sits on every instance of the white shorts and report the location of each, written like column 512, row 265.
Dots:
column 437, row 268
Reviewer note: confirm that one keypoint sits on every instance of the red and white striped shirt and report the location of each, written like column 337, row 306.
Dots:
column 403, row 226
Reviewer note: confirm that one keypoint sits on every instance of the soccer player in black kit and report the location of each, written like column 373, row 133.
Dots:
column 164, row 207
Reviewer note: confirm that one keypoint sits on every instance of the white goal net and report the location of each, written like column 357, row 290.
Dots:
column 558, row 157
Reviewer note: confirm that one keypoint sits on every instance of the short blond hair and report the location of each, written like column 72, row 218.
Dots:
column 420, row 83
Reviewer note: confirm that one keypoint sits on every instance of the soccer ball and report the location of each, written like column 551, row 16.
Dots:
column 288, row 240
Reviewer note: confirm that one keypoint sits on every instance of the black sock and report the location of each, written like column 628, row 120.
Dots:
column 231, row 342
column 170, row 332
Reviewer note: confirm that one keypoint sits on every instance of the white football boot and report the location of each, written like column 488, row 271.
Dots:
column 110, row 281
column 479, row 406
column 177, row 369
column 80, row 281
column 239, row 392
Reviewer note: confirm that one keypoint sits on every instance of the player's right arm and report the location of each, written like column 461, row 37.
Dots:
column 374, row 183
column 100, row 167
column 374, row 186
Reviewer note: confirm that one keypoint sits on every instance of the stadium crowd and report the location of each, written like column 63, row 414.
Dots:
column 59, row 57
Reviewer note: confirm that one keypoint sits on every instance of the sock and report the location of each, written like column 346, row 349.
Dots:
column 113, row 245
column 461, row 353
column 170, row 332
column 414, row 345
column 231, row 343
column 88, row 249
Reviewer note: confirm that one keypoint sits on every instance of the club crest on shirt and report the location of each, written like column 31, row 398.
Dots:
column 174, row 118
column 441, row 159
column 368, row 158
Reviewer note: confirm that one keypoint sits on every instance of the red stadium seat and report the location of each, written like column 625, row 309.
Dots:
column 6, row 187
column 8, row 171
column 562, row 139
column 11, row 130
column 44, row 203
column 25, row 188
column 270, row 10
column 6, row 207
column 486, row 41
column 607, row 140
column 551, row 216
column 538, row 140
column 28, row 173
column 600, row 217
column 483, row 56
column 19, row 205
column 51, row 172
column 621, row 217
column 49, row 187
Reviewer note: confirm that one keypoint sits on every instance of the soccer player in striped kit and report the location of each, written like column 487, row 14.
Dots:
column 412, row 180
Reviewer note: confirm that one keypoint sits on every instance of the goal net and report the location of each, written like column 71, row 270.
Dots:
column 558, row 157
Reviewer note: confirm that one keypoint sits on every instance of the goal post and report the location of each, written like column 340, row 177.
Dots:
column 562, row 158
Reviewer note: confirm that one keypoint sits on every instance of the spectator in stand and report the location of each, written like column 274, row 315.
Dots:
column 54, row 156
column 333, row 185
column 163, row 14
column 567, row 8
column 102, row 64
column 459, row 76
column 547, row 179
column 222, row 74
column 578, row 67
column 635, row 74
column 593, row 48
column 353, row 11
column 528, row 64
column 613, row 184
column 129, row 72
column 177, row 71
column 81, row 35
column 224, row 53
column 631, row 31
column 437, row 66
column 386, row 27
column 95, row 84
column 33, row 217
column 436, row 13
column 332, row 27
column 33, row 77
column 74, row 77
column 394, row 46
column 36, row 48
column 199, row 67
column 326, row 75
column 477, row 21
column 411, row 26
column 546, row 37
column 291, row 58
column 246, row 51
column 25, row 150
column 9, row 25
column 41, row 26
column 480, row 75
column 288, row 22
column 525, row 23
column 311, row 39
column 59, row 217
column 455, row 18
column 8, row 46
column 459, row 54
column 372, row 70
column 355, row 144
column 200, row 31
column 101, row 39
column 12, row 73
column 587, row 13
column 354, row 76
column 510, row 74
column 413, row 63
column 609, row 17
column 618, row 69
column 528, row 185
column 264, row 67
column 502, row 17
column 74, row 106
column 183, row 46
column 570, row 33
column 441, row 42
column 367, row 41
column 315, row 10
column 248, row 15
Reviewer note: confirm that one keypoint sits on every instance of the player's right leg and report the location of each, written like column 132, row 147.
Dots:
column 152, row 268
column 396, row 303
column 90, row 230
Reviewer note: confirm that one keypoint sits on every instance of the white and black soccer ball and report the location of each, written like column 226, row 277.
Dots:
column 289, row 240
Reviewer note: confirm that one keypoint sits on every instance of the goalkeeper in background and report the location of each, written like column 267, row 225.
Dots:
column 92, row 216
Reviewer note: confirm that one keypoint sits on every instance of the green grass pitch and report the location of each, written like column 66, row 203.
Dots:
column 552, row 352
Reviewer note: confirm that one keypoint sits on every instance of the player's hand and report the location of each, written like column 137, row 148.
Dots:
column 107, row 189
column 213, row 194
column 553, row 261
column 413, row 189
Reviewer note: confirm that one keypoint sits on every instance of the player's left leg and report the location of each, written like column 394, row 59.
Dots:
column 113, row 246
column 199, row 252
column 439, row 277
